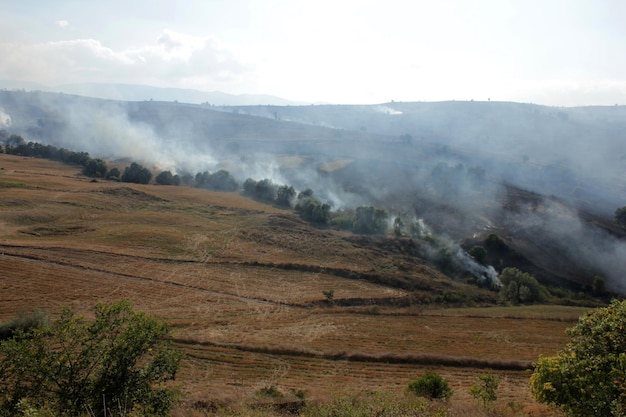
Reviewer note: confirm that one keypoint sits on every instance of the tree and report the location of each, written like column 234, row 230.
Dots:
column 588, row 377
column 485, row 390
column 370, row 220
column 520, row 287
column 95, row 168
column 431, row 385
column 113, row 174
column 137, row 174
column 285, row 195
column 166, row 178
column 620, row 216
column 479, row 253
column 120, row 359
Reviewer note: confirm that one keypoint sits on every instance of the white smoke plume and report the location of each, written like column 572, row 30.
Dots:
column 5, row 119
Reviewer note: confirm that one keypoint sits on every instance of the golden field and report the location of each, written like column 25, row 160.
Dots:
column 241, row 283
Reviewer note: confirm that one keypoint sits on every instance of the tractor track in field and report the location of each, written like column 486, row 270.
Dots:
column 7, row 250
column 39, row 253
column 386, row 357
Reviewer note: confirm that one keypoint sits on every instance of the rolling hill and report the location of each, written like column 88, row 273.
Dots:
column 242, row 283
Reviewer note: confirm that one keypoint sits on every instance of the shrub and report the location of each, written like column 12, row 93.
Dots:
column 479, row 253
column 521, row 287
column 431, row 385
column 121, row 358
column 136, row 173
column 485, row 390
column 167, row 178
column 588, row 377
column 22, row 323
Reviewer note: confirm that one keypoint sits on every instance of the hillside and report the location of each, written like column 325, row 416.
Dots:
column 242, row 285
column 546, row 180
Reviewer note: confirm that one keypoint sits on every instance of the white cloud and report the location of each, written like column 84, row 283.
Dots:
column 174, row 59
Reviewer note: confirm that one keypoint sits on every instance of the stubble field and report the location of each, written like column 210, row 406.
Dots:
column 241, row 283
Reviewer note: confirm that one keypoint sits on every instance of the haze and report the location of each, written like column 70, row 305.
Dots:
column 564, row 53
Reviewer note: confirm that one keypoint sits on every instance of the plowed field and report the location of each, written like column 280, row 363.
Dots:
column 242, row 285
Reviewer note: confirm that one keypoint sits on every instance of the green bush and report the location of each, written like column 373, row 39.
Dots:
column 24, row 322
column 588, row 377
column 432, row 386
column 485, row 390
column 121, row 359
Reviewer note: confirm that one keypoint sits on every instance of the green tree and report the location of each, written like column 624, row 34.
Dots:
column 95, row 168
column 113, row 174
column 431, row 385
column 285, row 195
column 588, row 377
column 166, row 178
column 520, row 287
column 485, row 390
column 137, row 174
column 370, row 220
column 479, row 253
column 120, row 359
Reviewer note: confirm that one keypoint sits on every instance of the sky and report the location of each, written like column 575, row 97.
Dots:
column 552, row 52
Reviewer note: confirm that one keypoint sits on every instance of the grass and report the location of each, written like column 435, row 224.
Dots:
column 12, row 184
column 242, row 284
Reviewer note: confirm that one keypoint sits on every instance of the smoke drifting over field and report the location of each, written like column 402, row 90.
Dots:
column 445, row 163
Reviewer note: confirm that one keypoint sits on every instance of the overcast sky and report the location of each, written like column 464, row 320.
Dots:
column 555, row 52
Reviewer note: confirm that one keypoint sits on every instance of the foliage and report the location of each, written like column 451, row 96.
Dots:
column 121, row 358
column 375, row 403
column 311, row 209
column 221, row 180
column 263, row 190
column 113, row 174
column 588, row 377
column 16, row 145
column 485, row 390
column 431, row 385
column 167, row 178
column 24, row 322
column 620, row 216
column 270, row 391
column 285, row 195
column 370, row 220
column 137, row 174
column 520, row 287
column 479, row 253
column 95, row 168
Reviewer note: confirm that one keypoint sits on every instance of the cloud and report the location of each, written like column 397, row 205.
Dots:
column 62, row 23
column 174, row 59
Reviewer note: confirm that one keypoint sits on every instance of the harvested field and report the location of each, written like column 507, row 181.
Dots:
column 242, row 285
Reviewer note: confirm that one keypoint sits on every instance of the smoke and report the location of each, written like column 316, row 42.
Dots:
column 445, row 163
column 559, row 238
column 5, row 119
column 484, row 273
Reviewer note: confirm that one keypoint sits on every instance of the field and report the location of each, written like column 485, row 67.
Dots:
column 242, row 285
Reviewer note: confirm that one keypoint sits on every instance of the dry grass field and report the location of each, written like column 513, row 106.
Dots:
column 242, row 283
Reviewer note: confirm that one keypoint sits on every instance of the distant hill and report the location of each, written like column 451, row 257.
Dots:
column 134, row 92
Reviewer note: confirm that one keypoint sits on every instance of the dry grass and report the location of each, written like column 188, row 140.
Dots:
column 242, row 285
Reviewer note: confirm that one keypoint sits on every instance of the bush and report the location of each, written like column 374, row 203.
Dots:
column 136, row 173
column 521, row 287
column 113, row 174
column 22, row 323
column 432, row 386
column 485, row 390
column 588, row 377
column 73, row 366
column 167, row 178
